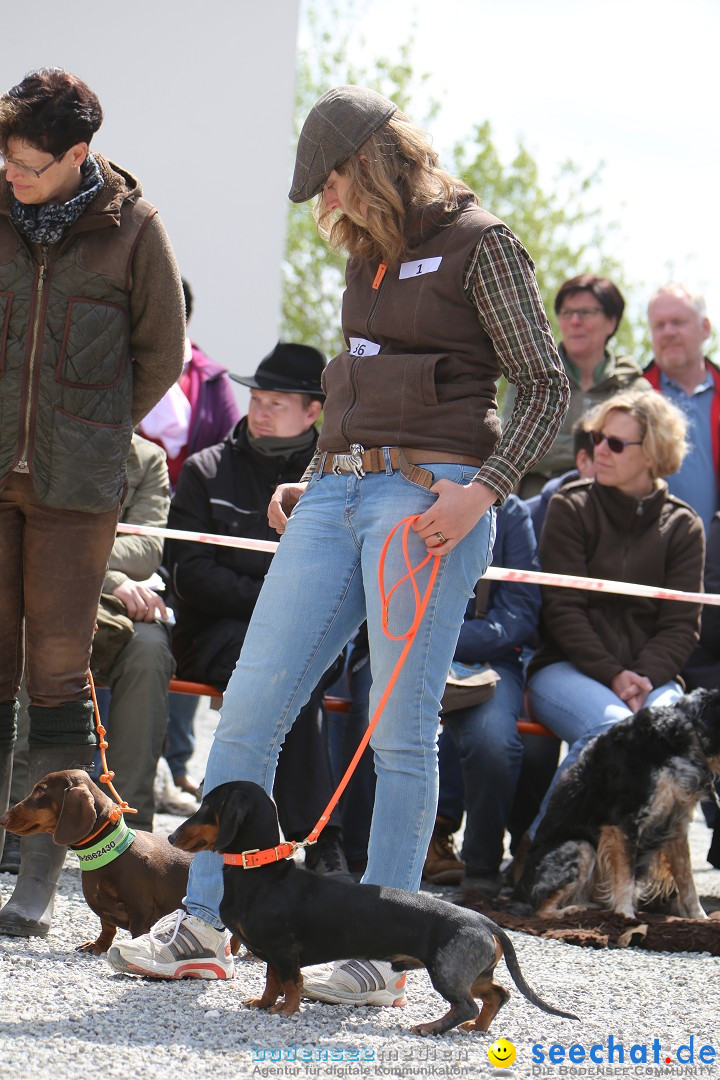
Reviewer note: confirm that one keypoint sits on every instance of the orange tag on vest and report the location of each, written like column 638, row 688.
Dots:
column 379, row 276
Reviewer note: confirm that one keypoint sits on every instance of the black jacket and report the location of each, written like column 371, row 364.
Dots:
column 224, row 489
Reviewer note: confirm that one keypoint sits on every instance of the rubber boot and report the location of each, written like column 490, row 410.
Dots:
column 28, row 912
column 8, row 728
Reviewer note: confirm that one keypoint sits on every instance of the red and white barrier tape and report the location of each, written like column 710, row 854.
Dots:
column 493, row 573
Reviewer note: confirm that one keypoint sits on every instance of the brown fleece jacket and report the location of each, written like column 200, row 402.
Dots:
column 593, row 530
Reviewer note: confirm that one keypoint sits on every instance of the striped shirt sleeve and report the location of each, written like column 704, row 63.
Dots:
column 500, row 283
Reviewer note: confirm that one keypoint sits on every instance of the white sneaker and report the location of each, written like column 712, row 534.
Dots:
column 179, row 946
column 355, row 982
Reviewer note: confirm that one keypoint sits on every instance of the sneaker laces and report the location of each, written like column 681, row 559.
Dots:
column 168, row 925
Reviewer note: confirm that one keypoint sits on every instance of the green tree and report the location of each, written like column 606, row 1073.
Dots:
column 563, row 231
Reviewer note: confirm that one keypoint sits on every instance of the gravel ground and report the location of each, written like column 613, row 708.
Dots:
column 66, row 1014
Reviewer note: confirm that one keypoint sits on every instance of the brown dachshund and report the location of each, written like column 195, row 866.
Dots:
column 146, row 881
column 290, row 919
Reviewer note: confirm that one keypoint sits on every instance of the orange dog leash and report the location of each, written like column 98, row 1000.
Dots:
column 106, row 777
column 254, row 858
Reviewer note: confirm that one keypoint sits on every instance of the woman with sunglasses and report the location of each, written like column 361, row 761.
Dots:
column 603, row 656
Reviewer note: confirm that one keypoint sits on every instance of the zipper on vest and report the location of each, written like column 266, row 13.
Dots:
column 22, row 464
column 377, row 285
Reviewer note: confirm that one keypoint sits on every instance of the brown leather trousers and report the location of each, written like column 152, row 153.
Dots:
column 52, row 568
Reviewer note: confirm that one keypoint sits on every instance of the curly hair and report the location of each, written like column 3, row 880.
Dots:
column 393, row 172
column 51, row 110
column 663, row 427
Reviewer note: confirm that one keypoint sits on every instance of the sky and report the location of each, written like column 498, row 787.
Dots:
column 628, row 83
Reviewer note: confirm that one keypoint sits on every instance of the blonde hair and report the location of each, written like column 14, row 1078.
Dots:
column 394, row 171
column 663, row 427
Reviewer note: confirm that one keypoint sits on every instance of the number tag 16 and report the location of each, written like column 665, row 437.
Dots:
column 362, row 347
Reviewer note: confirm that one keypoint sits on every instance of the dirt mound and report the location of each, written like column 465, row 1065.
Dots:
column 603, row 929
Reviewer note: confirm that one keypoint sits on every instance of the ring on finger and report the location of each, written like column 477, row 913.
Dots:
column 441, row 538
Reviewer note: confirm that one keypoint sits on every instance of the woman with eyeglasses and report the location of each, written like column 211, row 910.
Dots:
column 92, row 334
column 588, row 309
column 603, row 656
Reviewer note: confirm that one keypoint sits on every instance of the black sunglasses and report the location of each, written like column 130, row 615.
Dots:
column 614, row 443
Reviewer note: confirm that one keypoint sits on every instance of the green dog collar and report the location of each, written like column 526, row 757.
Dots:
column 107, row 849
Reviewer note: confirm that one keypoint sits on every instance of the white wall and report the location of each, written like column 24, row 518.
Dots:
column 198, row 101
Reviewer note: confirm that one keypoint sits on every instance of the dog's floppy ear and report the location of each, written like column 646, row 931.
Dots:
column 231, row 815
column 77, row 816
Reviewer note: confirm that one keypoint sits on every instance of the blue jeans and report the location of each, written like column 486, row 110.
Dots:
column 322, row 583
column 180, row 733
column 577, row 708
column 490, row 751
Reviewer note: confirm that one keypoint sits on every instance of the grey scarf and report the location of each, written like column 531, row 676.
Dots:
column 46, row 223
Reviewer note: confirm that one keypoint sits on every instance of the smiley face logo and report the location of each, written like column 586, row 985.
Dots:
column 501, row 1053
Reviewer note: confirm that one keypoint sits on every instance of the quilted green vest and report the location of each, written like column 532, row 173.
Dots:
column 65, row 364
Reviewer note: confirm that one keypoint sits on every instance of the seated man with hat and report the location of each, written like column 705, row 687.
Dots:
column 226, row 489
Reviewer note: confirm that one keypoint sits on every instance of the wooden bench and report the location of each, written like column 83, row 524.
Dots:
column 331, row 703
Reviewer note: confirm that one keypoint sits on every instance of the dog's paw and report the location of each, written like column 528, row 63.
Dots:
column 91, row 947
column 286, row 1009
column 257, row 1003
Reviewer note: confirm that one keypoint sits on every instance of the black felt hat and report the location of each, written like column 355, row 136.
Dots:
column 288, row 369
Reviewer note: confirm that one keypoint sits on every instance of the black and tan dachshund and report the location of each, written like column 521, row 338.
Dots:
column 291, row 919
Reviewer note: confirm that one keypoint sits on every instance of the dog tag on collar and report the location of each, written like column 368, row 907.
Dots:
column 419, row 267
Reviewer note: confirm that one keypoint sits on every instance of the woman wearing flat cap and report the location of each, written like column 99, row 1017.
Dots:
column 441, row 300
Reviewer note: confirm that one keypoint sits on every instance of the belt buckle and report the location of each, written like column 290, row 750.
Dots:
column 350, row 463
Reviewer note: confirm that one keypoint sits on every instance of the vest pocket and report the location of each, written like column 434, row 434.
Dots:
column 6, row 299
column 94, row 345
column 86, row 463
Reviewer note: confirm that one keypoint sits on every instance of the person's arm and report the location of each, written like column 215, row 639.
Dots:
column 157, row 319
column 512, row 616
column 500, row 282
column 138, row 557
column 677, row 623
column 207, row 577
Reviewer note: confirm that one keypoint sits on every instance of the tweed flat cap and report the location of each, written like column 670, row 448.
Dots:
column 336, row 126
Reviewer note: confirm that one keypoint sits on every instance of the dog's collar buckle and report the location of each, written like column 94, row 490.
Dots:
column 254, row 858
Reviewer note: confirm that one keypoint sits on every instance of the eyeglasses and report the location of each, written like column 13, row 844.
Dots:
column 582, row 313
column 614, row 443
column 28, row 169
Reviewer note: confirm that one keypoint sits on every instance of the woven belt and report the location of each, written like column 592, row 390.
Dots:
column 360, row 461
